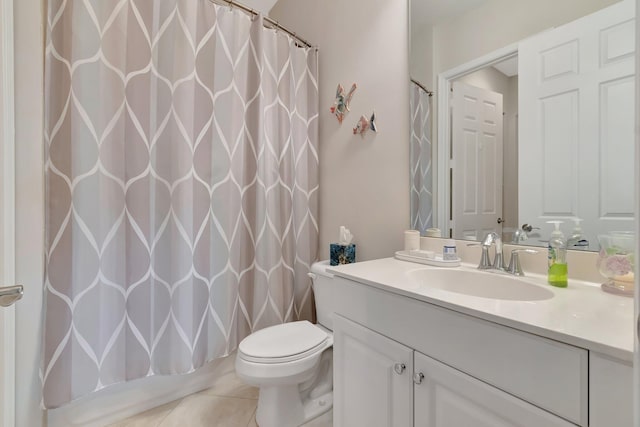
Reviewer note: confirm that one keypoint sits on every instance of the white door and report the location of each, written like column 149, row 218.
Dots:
column 446, row 397
column 372, row 378
column 8, row 293
column 477, row 138
column 577, row 111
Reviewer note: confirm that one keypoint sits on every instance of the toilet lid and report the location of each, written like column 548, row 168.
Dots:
column 283, row 341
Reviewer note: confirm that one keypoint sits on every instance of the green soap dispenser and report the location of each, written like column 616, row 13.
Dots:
column 557, row 274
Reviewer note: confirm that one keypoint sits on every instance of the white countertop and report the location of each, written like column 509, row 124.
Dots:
column 581, row 314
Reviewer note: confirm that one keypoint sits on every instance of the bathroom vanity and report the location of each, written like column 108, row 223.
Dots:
column 410, row 354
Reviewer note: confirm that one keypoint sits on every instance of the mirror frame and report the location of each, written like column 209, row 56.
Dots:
column 443, row 144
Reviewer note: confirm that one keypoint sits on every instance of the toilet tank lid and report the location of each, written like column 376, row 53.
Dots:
column 320, row 267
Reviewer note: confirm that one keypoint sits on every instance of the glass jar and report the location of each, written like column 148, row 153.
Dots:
column 616, row 262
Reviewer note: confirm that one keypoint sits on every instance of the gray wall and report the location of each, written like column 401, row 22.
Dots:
column 364, row 182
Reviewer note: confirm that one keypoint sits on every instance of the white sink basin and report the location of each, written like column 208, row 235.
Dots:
column 478, row 284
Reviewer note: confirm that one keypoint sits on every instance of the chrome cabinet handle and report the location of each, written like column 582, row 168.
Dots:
column 399, row 368
column 10, row 294
column 418, row 377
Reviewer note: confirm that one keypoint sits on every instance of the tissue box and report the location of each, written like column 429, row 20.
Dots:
column 342, row 254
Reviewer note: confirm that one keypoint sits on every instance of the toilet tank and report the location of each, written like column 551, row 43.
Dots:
column 323, row 284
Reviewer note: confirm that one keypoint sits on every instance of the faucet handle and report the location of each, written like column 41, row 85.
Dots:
column 514, row 263
column 485, row 262
column 528, row 251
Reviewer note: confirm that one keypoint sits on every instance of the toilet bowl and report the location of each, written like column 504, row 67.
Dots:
column 292, row 363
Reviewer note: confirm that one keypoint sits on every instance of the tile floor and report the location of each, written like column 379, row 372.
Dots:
column 228, row 403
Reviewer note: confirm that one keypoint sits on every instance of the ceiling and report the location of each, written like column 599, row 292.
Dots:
column 263, row 6
column 508, row 67
column 423, row 12
column 428, row 12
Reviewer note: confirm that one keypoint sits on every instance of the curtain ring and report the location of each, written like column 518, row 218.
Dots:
column 230, row 5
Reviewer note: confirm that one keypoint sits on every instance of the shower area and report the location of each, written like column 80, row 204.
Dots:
column 181, row 168
column 421, row 179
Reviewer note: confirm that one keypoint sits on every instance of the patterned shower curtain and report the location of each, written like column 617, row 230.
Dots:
column 421, row 178
column 182, row 187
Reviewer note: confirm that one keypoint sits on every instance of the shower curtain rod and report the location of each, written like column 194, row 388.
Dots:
column 273, row 22
column 421, row 86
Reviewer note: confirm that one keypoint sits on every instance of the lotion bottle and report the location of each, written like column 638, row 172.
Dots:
column 557, row 273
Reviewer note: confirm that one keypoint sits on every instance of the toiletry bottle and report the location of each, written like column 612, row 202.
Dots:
column 449, row 252
column 557, row 274
column 577, row 240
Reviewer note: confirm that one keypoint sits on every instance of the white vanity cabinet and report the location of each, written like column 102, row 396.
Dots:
column 382, row 383
column 474, row 372
column 372, row 376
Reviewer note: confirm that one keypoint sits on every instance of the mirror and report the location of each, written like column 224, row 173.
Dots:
column 540, row 118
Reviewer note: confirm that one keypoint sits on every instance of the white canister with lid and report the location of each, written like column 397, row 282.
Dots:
column 449, row 250
column 411, row 240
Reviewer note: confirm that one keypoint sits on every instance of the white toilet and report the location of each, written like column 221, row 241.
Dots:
column 292, row 363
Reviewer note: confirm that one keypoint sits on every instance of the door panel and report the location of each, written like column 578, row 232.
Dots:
column 577, row 111
column 477, row 140
column 7, row 218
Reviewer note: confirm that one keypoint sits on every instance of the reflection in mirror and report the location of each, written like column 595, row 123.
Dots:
column 421, row 158
column 540, row 122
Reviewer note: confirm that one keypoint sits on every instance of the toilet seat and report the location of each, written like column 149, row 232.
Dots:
column 284, row 343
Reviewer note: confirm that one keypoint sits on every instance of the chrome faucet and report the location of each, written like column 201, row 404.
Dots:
column 520, row 235
column 498, row 261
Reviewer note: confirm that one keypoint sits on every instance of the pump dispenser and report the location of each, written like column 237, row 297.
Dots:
column 557, row 274
column 577, row 240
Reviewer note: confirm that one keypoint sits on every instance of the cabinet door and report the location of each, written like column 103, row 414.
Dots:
column 445, row 397
column 372, row 378
column 610, row 392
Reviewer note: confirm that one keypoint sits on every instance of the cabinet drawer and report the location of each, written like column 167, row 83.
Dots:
column 546, row 373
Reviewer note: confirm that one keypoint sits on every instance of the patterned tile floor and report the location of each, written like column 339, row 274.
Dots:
column 228, row 403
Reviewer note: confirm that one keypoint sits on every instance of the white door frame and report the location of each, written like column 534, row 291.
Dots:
column 443, row 178
column 636, row 382
column 7, row 204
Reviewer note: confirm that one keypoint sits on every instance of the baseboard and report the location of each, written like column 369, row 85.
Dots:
column 121, row 401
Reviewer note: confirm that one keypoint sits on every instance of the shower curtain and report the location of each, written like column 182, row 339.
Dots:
column 421, row 178
column 182, row 187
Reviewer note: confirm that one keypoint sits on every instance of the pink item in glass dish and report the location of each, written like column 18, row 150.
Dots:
column 616, row 262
